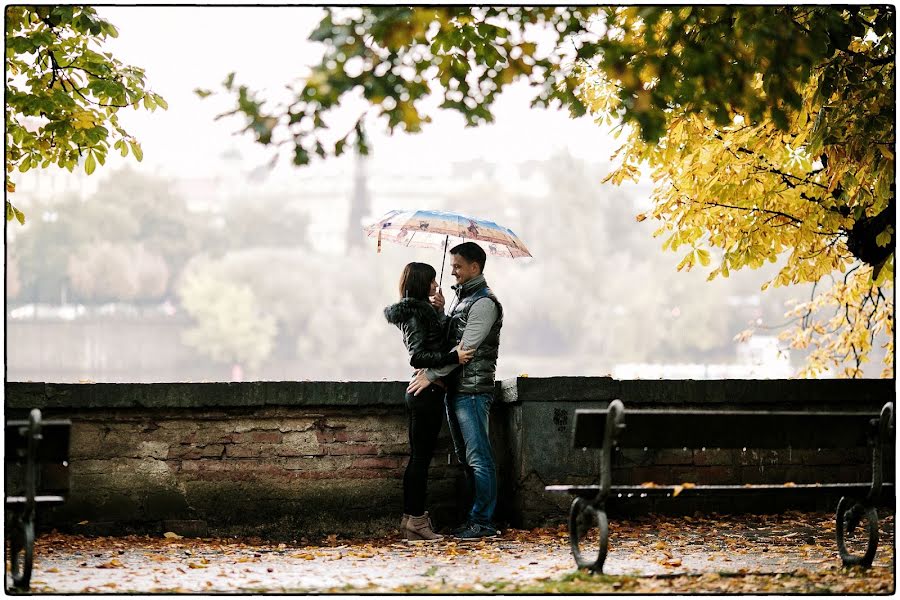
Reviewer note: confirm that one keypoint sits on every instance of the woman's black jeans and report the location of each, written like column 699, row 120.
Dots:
column 425, row 413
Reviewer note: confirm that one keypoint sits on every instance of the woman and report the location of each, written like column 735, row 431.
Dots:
column 423, row 336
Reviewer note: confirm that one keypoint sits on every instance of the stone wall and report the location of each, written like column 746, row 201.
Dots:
column 302, row 459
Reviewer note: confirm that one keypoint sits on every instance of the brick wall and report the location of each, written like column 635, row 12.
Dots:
column 270, row 470
column 302, row 459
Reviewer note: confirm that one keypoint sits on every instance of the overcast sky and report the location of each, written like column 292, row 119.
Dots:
column 182, row 48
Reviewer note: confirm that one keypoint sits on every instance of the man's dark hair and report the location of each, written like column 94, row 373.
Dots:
column 472, row 252
column 415, row 281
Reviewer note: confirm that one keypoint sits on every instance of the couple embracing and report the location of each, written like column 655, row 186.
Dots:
column 455, row 357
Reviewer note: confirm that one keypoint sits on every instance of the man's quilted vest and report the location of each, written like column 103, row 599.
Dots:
column 476, row 377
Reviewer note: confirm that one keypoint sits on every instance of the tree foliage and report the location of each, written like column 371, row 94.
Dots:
column 109, row 272
column 769, row 131
column 230, row 327
column 63, row 92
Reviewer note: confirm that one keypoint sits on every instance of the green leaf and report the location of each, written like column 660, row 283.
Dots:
column 161, row 102
column 136, row 150
column 203, row 93
column 20, row 216
column 90, row 163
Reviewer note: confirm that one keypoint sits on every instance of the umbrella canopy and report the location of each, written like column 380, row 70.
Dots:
column 433, row 228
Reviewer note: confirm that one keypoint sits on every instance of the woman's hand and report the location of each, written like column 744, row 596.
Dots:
column 465, row 355
column 437, row 301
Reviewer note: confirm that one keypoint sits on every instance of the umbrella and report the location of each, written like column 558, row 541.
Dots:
column 434, row 228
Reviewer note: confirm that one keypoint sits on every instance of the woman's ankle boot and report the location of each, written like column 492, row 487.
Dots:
column 420, row 529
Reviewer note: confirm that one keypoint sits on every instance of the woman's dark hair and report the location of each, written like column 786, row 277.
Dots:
column 415, row 282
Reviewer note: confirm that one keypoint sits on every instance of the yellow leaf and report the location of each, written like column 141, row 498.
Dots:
column 172, row 535
column 194, row 565
column 703, row 257
column 678, row 489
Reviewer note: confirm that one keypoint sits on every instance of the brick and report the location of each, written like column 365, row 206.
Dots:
column 404, row 449
column 324, row 436
column 381, row 462
column 299, row 443
column 341, row 449
column 184, row 452
column 213, row 451
column 350, row 436
column 250, row 450
column 288, row 424
column 318, row 463
column 151, row 449
column 265, row 437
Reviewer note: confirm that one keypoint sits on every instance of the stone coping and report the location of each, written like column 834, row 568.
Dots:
column 773, row 392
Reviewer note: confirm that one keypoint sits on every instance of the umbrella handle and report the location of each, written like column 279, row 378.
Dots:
column 444, row 259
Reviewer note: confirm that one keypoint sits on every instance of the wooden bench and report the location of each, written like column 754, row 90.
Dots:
column 37, row 473
column 614, row 429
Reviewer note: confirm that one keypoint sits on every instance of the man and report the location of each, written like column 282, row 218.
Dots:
column 475, row 321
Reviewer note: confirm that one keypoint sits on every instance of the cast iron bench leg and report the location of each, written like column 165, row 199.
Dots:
column 850, row 511
column 21, row 551
column 584, row 516
column 21, row 539
column 848, row 515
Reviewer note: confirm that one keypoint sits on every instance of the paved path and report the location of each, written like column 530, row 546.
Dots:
column 659, row 547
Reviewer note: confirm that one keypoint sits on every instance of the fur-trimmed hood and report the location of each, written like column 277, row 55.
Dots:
column 410, row 307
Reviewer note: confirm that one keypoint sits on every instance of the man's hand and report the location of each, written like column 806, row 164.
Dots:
column 419, row 383
column 437, row 300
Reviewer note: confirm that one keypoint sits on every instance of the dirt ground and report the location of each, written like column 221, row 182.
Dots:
column 791, row 552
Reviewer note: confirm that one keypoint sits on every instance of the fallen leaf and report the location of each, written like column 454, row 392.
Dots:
column 112, row 564
column 195, row 565
column 677, row 490
column 171, row 535
column 648, row 484
column 673, row 562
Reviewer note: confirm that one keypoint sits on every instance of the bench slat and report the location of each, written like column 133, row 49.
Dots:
column 37, row 499
column 667, row 489
column 727, row 429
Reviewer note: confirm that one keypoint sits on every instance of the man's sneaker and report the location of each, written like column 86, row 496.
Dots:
column 474, row 531
column 461, row 528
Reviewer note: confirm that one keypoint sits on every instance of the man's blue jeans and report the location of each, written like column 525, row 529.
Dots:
column 467, row 415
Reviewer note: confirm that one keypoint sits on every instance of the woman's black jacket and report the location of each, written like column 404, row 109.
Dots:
column 423, row 333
